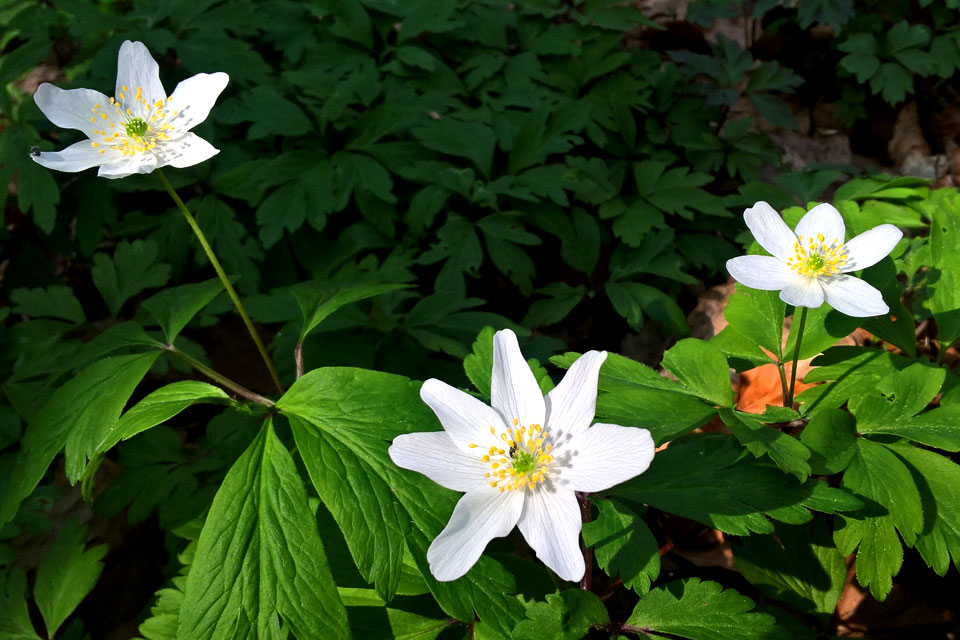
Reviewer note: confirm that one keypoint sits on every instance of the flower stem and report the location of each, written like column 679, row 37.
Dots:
column 796, row 357
column 783, row 382
column 223, row 278
column 586, row 514
column 220, row 379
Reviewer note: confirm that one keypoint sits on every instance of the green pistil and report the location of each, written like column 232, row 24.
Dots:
column 815, row 262
column 136, row 128
column 523, row 462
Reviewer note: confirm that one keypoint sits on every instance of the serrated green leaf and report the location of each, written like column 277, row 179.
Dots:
column 831, row 437
column 623, row 545
column 561, row 301
column 75, row 416
column 259, row 559
column 567, row 615
column 881, row 478
column 66, row 575
column 174, row 307
column 318, row 300
column 343, row 420
column 158, row 407
column 52, row 302
column 938, row 480
column 788, row 453
column 479, row 365
column 14, row 617
column 758, row 315
column 132, row 269
column 801, row 567
column 702, row 368
column 448, row 135
column 700, row 611
column 944, row 275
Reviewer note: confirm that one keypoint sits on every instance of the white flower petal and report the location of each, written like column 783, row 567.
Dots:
column 761, row 272
column 76, row 157
column 71, row 108
column 824, row 219
column 868, row 248
column 603, row 456
column 572, row 404
column 769, row 229
column 434, row 454
column 194, row 97
column 464, row 418
column 136, row 68
column 551, row 526
column 513, row 388
column 128, row 165
column 187, row 151
column 479, row 517
column 803, row 292
column 853, row 297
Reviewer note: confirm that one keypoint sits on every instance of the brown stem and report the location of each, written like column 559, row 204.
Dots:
column 298, row 359
column 586, row 514
column 221, row 379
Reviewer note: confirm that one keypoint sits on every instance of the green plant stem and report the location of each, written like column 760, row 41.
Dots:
column 796, row 357
column 783, row 382
column 586, row 513
column 223, row 278
column 220, row 379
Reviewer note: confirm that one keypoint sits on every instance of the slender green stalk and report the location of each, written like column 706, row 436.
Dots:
column 221, row 379
column 223, row 278
column 783, row 382
column 796, row 357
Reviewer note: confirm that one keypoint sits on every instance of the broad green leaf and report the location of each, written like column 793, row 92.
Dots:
column 370, row 619
column 701, row 611
column 448, row 135
column 633, row 300
column 343, row 420
column 76, row 416
column 174, row 307
column 742, row 353
column 479, row 365
column 567, row 615
column 758, row 315
column 824, row 328
column 132, row 269
column 14, row 617
column 318, row 301
column 831, row 437
column 561, row 300
column 623, row 545
column 943, row 277
column 259, row 559
column 160, row 406
column 893, row 504
column 52, row 302
column 701, row 368
column 800, row 566
column 66, row 575
column 938, row 480
column 708, row 479
column 632, row 394
column 760, row 439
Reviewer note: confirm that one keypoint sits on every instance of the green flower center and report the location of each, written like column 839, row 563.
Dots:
column 815, row 262
column 523, row 462
column 815, row 257
column 136, row 127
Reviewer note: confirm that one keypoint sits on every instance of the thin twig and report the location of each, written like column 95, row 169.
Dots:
column 221, row 379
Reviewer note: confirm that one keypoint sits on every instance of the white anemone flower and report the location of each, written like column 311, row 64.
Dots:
column 520, row 461
column 138, row 130
column 812, row 264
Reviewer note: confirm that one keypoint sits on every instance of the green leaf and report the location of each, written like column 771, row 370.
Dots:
column 708, row 479
column 788, row 453
column 479, row 365
column 701, row 611
column 801, row 567
column 757, row 315
column 938, row 480
column 318, row 300
column 174, row 307
column 134, row 267
column 561, row 301
column 449, row 136
column 259, row 559
column 630, row 298
column 892, row 81
column 66, row 575
column 880, row 477
column 76, row 416
column 14, row 617
column 623, row 545
column 944, row 274
column 831, row 437
column 269, row 111
column 343, row 420
column 824, row 328
column 632, row 394
column 52, row 302
column 702, row 368
column 567, row 615
column 160, row 406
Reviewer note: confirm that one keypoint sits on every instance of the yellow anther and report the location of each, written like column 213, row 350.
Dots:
column 472, row 445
